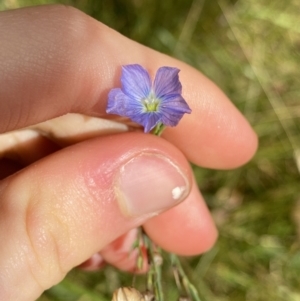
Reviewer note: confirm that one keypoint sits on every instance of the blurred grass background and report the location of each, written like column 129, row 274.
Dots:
column 251, row 49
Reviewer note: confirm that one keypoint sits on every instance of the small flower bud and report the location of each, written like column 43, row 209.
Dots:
column 127, row 294
column 149, row 296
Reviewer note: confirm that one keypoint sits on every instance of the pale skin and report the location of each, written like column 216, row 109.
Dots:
column 54, row 215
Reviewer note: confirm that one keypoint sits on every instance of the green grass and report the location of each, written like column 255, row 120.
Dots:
column 251, row 49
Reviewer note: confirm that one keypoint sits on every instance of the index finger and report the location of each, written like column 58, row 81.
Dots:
column 55, row 60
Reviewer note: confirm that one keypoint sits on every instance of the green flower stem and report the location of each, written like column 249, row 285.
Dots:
column 136, row 245
column 189, row 287
column 154, row 280
column 159, row 128
column 154, row 274
column 154, row 252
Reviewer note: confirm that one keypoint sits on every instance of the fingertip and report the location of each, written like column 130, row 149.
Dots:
column 187, row 229
column 216, row 134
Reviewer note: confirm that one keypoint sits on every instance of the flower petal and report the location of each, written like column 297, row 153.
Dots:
column 166, row 82
column 120, row 104
column 150, row 120
column 172, row 108
column 147, row 119
column 175, row 102
column 136, row 82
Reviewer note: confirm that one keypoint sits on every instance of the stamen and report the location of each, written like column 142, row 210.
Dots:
column 151, row 103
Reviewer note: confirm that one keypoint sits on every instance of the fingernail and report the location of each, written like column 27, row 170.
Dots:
column 150, row 183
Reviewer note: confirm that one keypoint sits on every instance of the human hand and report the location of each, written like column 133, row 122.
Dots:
column 60, row 210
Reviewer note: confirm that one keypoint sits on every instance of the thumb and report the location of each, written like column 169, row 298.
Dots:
column 59, row 211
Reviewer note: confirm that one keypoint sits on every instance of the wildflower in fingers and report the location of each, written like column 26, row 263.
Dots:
column 151, row 105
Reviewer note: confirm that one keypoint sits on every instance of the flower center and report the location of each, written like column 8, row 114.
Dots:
column 151, row 103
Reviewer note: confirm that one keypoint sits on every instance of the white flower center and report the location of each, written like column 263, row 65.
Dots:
column 151, row 103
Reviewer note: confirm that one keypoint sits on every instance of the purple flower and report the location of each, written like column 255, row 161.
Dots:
column 145, row 103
